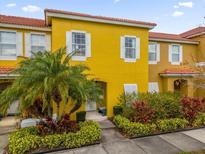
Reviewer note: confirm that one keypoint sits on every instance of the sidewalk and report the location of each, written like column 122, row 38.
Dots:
column 114, row 143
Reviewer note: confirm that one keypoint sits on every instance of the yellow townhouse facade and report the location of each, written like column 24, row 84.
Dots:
column 123, row 56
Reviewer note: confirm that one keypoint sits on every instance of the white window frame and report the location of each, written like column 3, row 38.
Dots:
column 87, row 44
column 78, row 58
column 129, row 85
column 155, row 84
column 9, row 57
column 157, row 53
column 36, row 33
column 180, row 54
column 130, row 59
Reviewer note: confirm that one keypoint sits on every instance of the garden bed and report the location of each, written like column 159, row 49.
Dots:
column 27, row 140
column 150, row 114
column 146, row 130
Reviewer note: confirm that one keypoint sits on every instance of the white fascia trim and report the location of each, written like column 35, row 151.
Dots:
column 191, row 36
column 79, row 58
column 177, row 75
column 8, row 58
column 74, row 17
column 152, row 62
column 173, row 41
column 130, row 60
column 25, row 27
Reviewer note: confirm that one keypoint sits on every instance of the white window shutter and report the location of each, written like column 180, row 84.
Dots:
column 88, row 45
column 122, row 47
column 19, row 44
column 158, row 52
column 170, row 53
column 27, row 44
column 48, row 42
column 137, row 48
column 181, row 54
column 69, row 42
column 153, row 87
column 130, row 88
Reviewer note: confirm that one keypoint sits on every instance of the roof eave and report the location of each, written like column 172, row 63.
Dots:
column 25, row 27
column 195, row 35
column 177, row 74
column 92, row 19
column 173, row 41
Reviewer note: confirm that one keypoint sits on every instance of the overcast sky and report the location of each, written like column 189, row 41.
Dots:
column 171, row 16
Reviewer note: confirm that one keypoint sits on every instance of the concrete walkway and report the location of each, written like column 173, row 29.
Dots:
column 114, row 143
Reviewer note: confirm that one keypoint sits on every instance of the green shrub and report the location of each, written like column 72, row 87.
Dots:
column 200, row 120
column 171, row 124
column 133, row 128
column 27, row 139
column 166, row 105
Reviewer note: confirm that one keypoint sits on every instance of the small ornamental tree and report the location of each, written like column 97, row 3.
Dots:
column 142, row 112
column 192, row 107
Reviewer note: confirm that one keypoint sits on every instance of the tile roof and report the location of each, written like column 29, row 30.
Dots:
column 166, row 36
column 100, row 17
column 179, row 71
column 5, row 69
column 22, row 21
column 192, row 32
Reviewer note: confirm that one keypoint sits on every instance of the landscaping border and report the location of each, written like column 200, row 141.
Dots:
column 155, row 134
column 62, row 149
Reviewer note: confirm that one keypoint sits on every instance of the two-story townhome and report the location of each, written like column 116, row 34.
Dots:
column 123, row 56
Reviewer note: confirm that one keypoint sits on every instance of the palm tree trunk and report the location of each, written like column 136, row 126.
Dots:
column 58, row 109
column 49, row 109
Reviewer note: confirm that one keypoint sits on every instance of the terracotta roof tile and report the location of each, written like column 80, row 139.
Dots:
column 5, row 69
column 192, row 32
column 179, row 71
column 166, row 36
column 100, row 17
column 22, row 21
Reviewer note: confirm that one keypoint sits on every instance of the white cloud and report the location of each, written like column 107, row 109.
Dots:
column 11, row 5
column 116, row 1
column 189, row 4
column 177, row 14
column 31, row 8
column 176, row 6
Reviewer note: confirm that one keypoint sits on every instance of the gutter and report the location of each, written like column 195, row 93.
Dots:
column 173, row 41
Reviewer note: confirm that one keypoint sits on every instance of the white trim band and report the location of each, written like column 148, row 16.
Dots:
column 94, row 19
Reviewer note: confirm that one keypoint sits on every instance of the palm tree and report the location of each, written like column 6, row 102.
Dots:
column 49, row 76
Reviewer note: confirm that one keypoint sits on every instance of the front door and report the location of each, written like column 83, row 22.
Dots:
column 91, row 106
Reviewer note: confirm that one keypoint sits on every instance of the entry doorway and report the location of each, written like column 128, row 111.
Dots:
column 181, row 86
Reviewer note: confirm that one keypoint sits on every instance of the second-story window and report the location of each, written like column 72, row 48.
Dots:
column 154, row 53
column 8, row 47
column 79, row 43
column 175, row 54
column 38, row 42
column 130, row 47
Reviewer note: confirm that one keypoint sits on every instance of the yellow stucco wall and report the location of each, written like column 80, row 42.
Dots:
column 105, row 62
column 189, row 50
column 13, row 63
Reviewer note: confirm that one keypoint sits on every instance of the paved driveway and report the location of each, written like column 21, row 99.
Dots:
column 114, row 143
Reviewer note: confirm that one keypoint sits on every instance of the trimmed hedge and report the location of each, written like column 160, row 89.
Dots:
column 200, row 120
column 133, row 128
column 171, row 124
column 27, row 139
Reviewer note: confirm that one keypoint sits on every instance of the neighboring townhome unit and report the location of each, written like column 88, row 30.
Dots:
column 19, row 37
column 170, row 59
